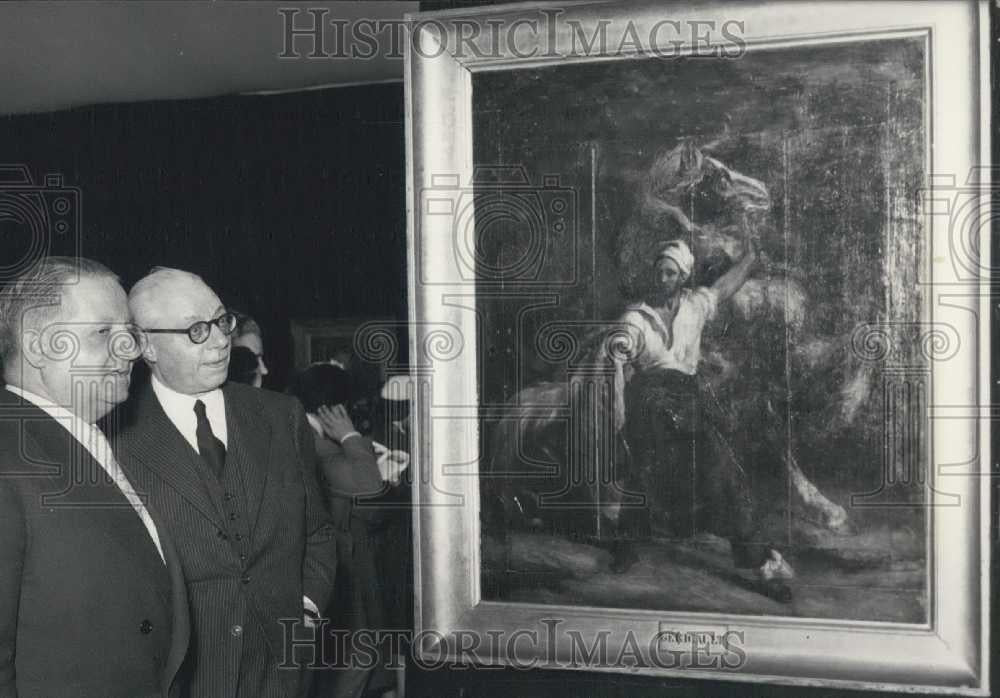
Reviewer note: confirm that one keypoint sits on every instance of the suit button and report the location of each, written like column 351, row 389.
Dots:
column 236, row 630
column 222, row 534
column 245, row 579
column 145, row 627
column 232, row 516
column 238, row 536
column 229, row 496
column 243, row 557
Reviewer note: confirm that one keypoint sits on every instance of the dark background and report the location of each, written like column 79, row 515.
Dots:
column 292, row 206
column 289, row 206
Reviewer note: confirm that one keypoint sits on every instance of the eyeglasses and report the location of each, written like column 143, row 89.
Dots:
column 200, row 331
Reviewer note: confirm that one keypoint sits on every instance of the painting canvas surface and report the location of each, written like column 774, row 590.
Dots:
column 811, row 381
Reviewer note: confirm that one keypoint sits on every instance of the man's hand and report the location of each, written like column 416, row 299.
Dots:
column 391, row 463
column 335, row 422
column 732, row 281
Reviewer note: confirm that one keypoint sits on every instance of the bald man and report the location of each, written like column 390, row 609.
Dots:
column 232, row 470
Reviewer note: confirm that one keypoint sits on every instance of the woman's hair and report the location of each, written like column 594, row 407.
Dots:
column 322, row 384
column 246, row 325
column 242, row 365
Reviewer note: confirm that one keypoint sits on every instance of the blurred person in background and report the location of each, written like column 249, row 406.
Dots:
column 394, row 559
column 243, row 367
column 249, row 336
column 354, row 469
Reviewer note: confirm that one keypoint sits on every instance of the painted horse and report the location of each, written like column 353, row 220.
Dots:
column 557, row 457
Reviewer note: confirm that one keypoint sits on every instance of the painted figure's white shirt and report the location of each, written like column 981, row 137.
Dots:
column 650, row 336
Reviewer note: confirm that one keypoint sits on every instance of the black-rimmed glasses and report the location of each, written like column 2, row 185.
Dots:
column 200, row 331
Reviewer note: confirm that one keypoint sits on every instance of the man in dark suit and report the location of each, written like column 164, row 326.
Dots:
column 232, row 468
column 92, row 602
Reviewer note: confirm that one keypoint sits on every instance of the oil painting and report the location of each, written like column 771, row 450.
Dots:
column 712, row 352
column 698, row 415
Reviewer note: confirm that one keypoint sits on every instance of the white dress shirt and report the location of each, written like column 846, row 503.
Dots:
column 180, row 410
column 97, row 445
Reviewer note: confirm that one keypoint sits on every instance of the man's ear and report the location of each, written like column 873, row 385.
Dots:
column 31, row 348
column 148, row 351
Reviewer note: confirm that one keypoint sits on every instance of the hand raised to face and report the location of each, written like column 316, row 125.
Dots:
column 335, row 421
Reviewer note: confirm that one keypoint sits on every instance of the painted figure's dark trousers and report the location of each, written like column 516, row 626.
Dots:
column 680, row 461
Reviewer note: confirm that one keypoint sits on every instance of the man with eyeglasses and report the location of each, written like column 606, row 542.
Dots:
column 92, row 598
column 230, row 466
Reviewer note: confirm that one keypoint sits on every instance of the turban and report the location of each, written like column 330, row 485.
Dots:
column 678, row 252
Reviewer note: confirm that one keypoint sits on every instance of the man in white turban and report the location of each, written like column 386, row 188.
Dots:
column 679, row 253
column 669, row 321
column 680, row 460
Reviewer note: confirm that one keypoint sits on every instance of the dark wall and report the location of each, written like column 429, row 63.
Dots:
column 291, row 206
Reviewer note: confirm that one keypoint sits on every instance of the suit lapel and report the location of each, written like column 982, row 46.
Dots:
column 248, row 448
column 43, row 443
column 156, row 443
column 82, row 480
column 54, row 448
column 180, row 637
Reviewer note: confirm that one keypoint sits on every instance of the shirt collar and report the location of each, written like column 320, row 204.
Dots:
column 169, row 396
column 179, row 409
column 76, row 426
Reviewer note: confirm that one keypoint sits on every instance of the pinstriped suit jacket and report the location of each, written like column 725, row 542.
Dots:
column 239, row 590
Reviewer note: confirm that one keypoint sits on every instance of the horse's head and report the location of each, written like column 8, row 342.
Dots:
column 722, row 188
column 686, row 180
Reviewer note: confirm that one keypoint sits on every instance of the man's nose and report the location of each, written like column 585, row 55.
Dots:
column 261, row 366
column 217, row 338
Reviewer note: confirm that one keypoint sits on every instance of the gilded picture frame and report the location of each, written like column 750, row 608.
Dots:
column 450, row 288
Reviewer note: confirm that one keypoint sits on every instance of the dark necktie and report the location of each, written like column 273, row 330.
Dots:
column 211, row 449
